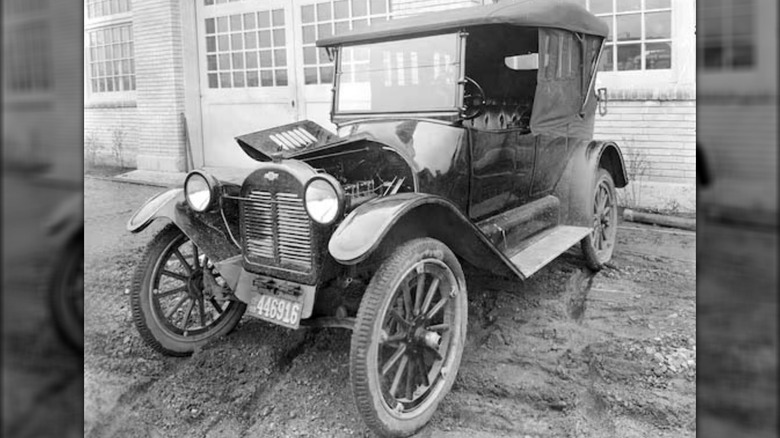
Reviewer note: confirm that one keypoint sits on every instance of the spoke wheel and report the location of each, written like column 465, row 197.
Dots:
column 172, row 310
column 66, row 294
column 409, row 337
column 599, row 245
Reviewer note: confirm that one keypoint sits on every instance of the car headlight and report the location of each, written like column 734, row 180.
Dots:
column 200, row 190
column 324, row 199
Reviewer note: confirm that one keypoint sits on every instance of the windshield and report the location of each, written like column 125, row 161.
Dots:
column 412, row 75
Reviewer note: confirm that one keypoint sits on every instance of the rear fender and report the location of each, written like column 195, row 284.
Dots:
column 575, row 187
column 395, row 218
column 207, row 230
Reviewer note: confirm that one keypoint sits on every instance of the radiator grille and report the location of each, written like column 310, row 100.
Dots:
column 277, row 229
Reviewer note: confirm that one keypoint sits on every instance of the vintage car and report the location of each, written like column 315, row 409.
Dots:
column 464, row 143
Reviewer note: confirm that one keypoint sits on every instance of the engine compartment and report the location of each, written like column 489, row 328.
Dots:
column 365, row 170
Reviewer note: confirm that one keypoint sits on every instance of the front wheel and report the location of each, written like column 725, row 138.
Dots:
column 172, row 310
column 409, row 337
column 600, row 243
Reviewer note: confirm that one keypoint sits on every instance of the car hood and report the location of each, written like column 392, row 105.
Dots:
column 285, row 141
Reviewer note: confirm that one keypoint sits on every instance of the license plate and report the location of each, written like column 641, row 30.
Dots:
column 276, row 309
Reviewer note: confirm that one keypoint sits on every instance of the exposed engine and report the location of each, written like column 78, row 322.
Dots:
column 365, row 170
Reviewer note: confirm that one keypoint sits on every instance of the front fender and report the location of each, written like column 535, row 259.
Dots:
column 409, row 215
column 207, row 230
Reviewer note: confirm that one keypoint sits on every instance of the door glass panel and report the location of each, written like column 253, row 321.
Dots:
column 247, row 50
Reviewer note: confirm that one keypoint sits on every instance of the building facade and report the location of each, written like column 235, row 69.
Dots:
column 170, row 83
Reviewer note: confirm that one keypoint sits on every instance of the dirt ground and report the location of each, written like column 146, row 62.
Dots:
column 564, row 354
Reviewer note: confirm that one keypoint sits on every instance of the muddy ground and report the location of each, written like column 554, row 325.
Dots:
column 564, row 354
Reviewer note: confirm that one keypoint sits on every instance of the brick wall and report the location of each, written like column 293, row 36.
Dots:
column 105, row 128
column 658, row 140
column 159, row 84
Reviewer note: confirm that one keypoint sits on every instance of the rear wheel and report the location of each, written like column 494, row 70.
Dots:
column 172, row 310
column 409, row 337
column 600, row 243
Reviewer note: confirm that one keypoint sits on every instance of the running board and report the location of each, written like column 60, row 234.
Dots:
column 543, row 247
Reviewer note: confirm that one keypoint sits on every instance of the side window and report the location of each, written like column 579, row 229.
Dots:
column 528, row 61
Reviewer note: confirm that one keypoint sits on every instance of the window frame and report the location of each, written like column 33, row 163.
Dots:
column 107, row 98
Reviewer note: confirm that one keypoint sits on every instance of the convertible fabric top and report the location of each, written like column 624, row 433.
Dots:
column 561, row 14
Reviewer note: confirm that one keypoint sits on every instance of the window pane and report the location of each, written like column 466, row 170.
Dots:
column 237, row 41
column 212, row 62
column 378, row 7
column 235, row 23
column 323, row 11
column 341, row 9
column 658, row 25
column 359, row 8
column 308, row 34
column 250, row 40
column 252, row 79
column 280, row 58
column 224, row 61
column 224, row 80
column 250, row 21
column 342, row 27
column 266, row 78
column 601, row 6
column 658, row 56
column 326, row 75
column 222, row 24
column 263, row 19
column 223, row 43
column 265, row 59
column 307, row 13
column 310, row 76
column 657, row 4
column 281, row 78
column 278, row 16
column 309, row 55
column 210, row 26
column 629, row 5
column 251, row 60
column 211, row 44
column 742, row 54
column 629, row 27
column 324, row 30
column 279, row 38
column 238, row 79
column 264, row 38
column 238, row 61
column 629, row 57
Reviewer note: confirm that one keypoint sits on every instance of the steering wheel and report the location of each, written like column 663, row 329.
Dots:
column 473, row 99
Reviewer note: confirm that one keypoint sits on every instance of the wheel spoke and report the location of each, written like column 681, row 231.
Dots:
column 187, row 314
column 202, row 312
column 393, row 359
column 429, row 296
column 419, row 293
column 398, row 374
column 400, row 319
column 410, row 378
column 175, row 275
column 183, row 261
column 436, row 308
column 407, row 301
column 176, row 306
column 195, row 257
column 438, row 328
column 423, row 370
column 216, row 305
column 177, row 290
column 393, row 338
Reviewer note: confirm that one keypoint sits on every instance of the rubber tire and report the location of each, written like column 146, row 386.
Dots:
column 67, row 320
column 592, row 259
column 150, row 330
column 365, row 387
